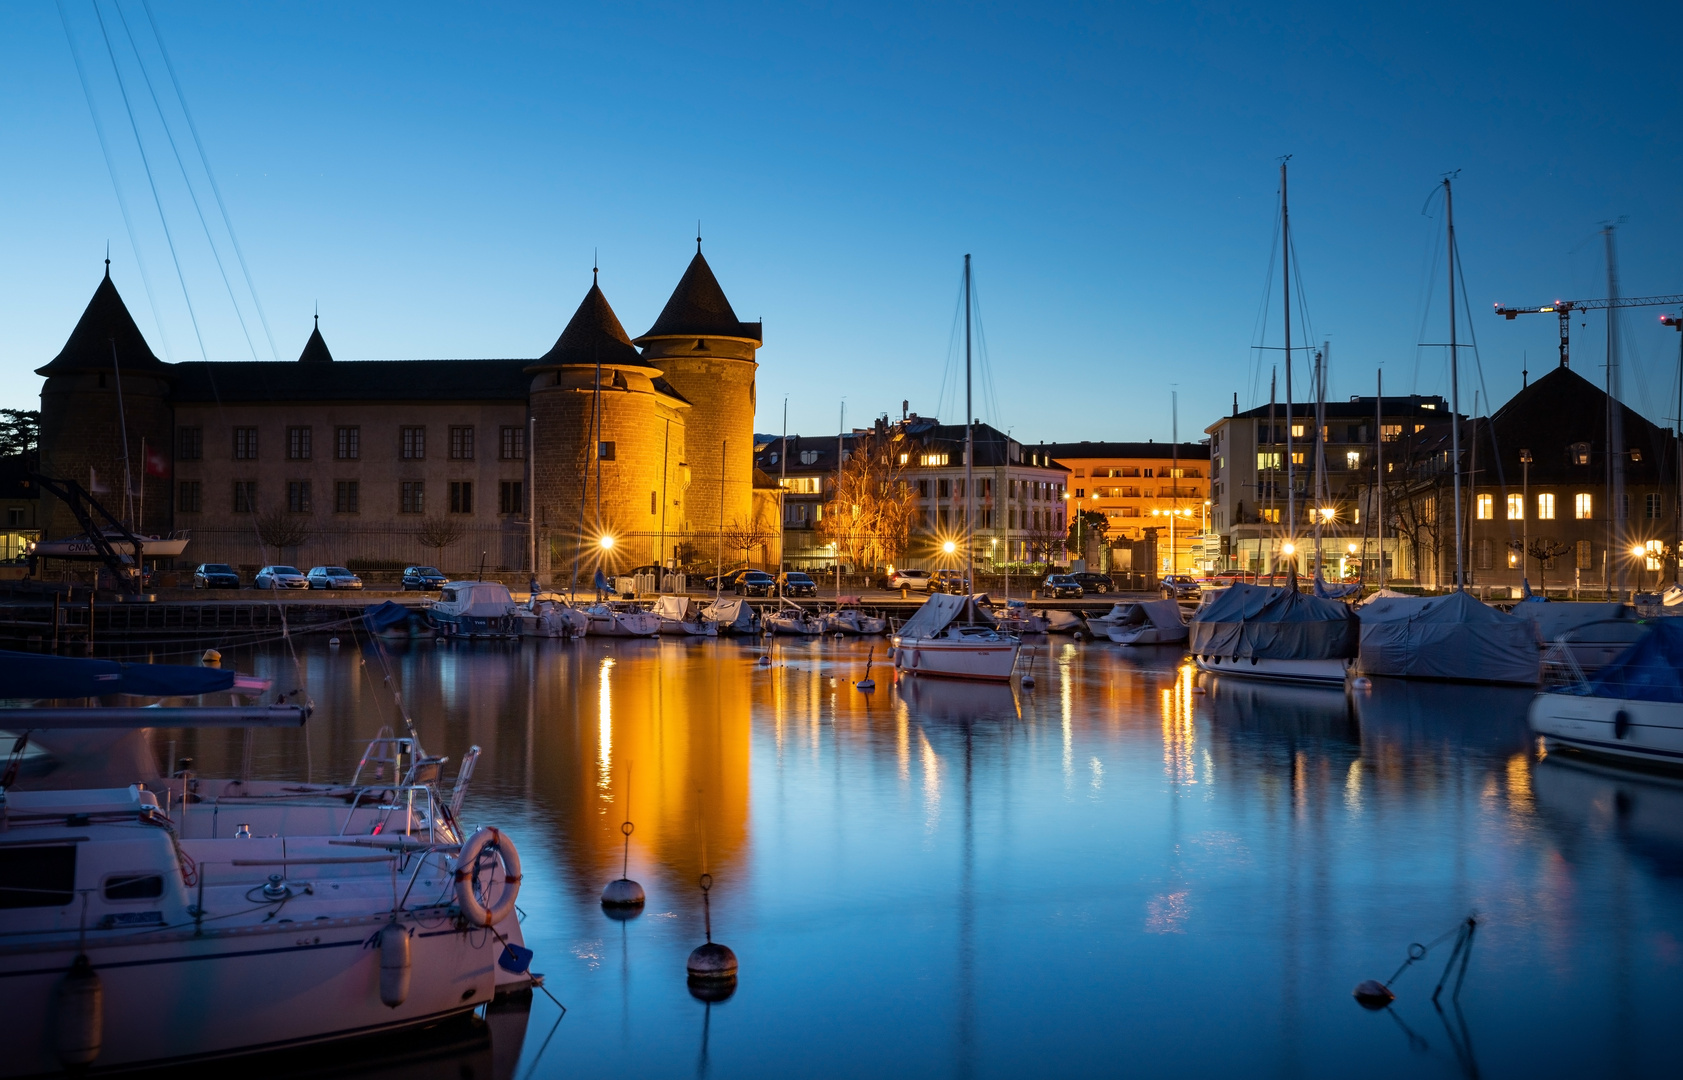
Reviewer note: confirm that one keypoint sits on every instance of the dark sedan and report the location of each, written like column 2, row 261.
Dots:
column 1058, row 586
column 756, row 583
column 423, row 579
column 796, row 583
column 215, row 575
column 724, row 582
column 1094, row 583
column 1179, row 587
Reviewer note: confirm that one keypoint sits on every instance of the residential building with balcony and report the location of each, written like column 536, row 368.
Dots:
column 1140, row 487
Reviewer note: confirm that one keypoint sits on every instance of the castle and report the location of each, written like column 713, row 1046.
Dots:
column 604, row 451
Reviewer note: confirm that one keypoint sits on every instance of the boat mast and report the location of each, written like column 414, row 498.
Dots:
column 1273, row 473
column 1615, row 429
column 1319, row 504
column 1174, row 474
column 1379, row 473
column 969, row 465
column 842, row 421
column 1285, row 281
column 1454, row 382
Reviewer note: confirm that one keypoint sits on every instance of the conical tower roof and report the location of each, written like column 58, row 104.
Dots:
column 104, row 325
column 593, row 335
column 698, row 308
column 315, row 349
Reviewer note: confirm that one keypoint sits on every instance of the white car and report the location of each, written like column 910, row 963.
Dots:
column 332, row 577
column 280, row 577
column 915, row 579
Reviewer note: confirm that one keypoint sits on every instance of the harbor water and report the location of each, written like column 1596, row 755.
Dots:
column 1127, row 869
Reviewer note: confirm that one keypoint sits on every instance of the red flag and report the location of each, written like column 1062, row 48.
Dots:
column 156, row 463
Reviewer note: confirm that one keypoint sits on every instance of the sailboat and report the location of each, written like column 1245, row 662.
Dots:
column 933, row 641
column 1266, row 632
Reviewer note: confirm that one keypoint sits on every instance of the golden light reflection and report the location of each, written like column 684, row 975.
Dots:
column 1519, row 783
column 605, row 730
column 902, row 742
column 1353, row 786
column 1179, row 733
column 1066, row 710
column 931, row 785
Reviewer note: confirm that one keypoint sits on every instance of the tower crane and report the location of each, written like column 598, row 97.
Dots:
column 1565, row 308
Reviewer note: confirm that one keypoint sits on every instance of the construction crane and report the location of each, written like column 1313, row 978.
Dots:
column 1565, row 308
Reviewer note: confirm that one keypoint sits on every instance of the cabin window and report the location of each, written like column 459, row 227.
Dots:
column 133, row 887
column 43, row 876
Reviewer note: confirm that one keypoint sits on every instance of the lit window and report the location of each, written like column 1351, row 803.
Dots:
column 1513, row 558
column 1655, row 553
column 1582, row 505
column 1297, row 431
column 1486, row 507
column 1390, row 432
column 1272, row 515
column 1353, row 459
column 1545, row 506
column 1516, row 507
column 1580, row 453
column 1268, row 460
column 1297, row 457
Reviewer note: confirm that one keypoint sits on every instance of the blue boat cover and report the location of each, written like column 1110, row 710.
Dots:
column 31, row 675
column 1274, row 623
column 1650, row 670
column 383, row 616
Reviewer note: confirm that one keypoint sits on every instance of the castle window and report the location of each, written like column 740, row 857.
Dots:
column 347, row 497
column 1579, row 452
column 461, row 444
column 245, row 496
column 412, row 443
column 298, row 496
column 1651, row 505
column 187, row 498
column 1516, row 508
column 1486, row 507
column 513, row 443
column 412, row 497
column 1583, row 505
column 190, row 443
column 298, row 444
column 1545, row 506
column 604, row 451
column 511, row 497
column 943, row 488
column 461, row 496
column 245, row 444
column 347, row 443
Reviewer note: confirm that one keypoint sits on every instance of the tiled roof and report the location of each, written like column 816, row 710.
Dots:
column 698, row 308
column 247, row 381
column 1080, row 450
column 593, row 335
column 105, row 325
column 315, row 349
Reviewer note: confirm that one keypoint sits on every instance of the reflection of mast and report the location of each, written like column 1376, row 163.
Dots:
column 967, row 920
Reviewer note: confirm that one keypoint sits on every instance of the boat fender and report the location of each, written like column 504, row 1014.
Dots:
column 476, row 911
column 394, row 965
column 1621, row 724
column 80, row 1020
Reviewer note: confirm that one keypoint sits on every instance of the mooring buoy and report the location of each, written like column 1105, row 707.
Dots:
column 1361, row 682
column 333, row 642
column 1373, row 994
column 211, row 656
column 764, row 661
column 712, row 967
column 623, row 898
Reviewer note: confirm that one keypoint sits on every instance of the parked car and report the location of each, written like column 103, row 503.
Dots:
column 951, row 581
column 280, row 577
column 1094, row 583
column 913, row 579
column 215, row 575
column 1059, row 586
column 332, row 577
column 795, row 583
column 423, row 579
column 756, row 583
column 726, row 581
column 1179, row 587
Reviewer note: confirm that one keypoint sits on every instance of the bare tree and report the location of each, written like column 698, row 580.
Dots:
column 872, row 508
column 439, row 533
column 279, row 530
column 1545, row 550
column 744, row 536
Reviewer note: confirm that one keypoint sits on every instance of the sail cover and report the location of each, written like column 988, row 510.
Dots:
column 672, row 608
column 1271, row 623
column 1650, row 670
column 731, row 613
column 384, row 616
column 1447, row 637
column 934, row 616
column 1163, row 614
column 31, row 675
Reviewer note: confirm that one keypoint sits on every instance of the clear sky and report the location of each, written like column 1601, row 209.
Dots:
column 437, row 177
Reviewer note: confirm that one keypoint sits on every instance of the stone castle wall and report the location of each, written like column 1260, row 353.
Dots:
column 720, row 439
column 81, row 429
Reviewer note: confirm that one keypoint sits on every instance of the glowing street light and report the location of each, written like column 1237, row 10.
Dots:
column 606, row 543
column 949, row 547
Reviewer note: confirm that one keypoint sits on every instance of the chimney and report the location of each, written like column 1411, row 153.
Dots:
column 904, row 405
column 1235, row 403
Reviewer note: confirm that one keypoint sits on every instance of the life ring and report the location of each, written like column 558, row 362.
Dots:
column 473, row 908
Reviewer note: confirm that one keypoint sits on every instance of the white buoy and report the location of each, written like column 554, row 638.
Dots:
column 394, row 965
column 1362, row 682
column 80, row 1021
column 333, row 641
column 765, row 661
column 1078, row 636
column 711, row 965
column 1028, row 682
column 866, row 685
column 211, row 656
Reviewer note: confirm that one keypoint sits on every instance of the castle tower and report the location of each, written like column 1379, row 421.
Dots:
column 607, row 447
column 707, row 355
column 315, row 349
column 106, row 360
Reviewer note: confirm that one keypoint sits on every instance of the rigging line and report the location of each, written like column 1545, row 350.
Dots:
column 111, row 167
column 150, row 179
column 192, row 193
column 1302, row 300
column 1259, row 325
column 1428, row 283
column 952, row 352
column 991, row 401
column 215, row 188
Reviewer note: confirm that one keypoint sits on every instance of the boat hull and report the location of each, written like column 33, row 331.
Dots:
column 1614, row 727
column 958, row 660
column 1324, row 672
column 1146, row 635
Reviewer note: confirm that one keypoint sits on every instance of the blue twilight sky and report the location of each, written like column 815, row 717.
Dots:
column 437, row 176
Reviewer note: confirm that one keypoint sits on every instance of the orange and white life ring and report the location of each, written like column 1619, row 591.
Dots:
column 483, row 910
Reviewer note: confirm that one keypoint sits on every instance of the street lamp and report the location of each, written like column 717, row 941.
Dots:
column 606, row 543
column 949, row 547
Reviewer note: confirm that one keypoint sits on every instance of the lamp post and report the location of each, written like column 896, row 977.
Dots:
column 1524, row 511
column 1676, row 323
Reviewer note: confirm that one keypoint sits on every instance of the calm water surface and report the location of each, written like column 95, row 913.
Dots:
column 1110, row 873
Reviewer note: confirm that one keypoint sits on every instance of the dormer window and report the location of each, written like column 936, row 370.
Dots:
column 1635, row 454
column 1579, row 452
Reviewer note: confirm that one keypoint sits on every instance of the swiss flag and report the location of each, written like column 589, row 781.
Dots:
column 156, row 463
